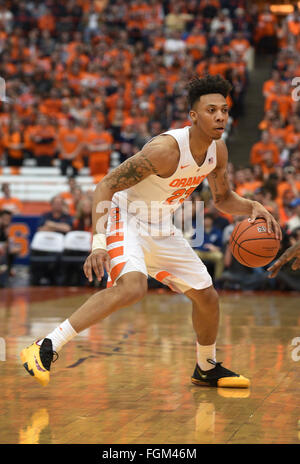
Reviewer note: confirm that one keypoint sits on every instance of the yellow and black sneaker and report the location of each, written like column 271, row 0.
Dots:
column 37, row 360
column 219, row 376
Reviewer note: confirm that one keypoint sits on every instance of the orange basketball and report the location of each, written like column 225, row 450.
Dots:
column 251, row 244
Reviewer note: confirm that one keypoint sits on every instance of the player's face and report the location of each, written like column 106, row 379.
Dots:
column 210, row 115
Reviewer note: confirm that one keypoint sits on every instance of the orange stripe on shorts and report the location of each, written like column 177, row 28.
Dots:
column 114, row 238
column 116, row 271
column 162, row 275
column 116, row 226
column 118, row 251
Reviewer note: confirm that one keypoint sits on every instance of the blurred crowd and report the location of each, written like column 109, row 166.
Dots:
column 273, row 174
column 86, row 79
column 89, row 82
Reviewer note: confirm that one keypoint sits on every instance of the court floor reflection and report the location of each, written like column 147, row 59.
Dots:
column 127, row 379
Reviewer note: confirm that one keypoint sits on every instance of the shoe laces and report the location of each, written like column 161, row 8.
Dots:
column 214, row 363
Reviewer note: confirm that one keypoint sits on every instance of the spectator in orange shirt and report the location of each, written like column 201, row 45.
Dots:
column 270, row 84
column 98, row 143
column 239, row 45
column 269, row 117
column 250, row 182
column 288, row 187
column 9, row 203
column 13, row 142
column 70, row 144
column 47, row 21
column 293, row 137
column 196, row 43
column 72, row 197
column 265, row 34
column 277, row 130
column 282, row 96
column 294, row 25
column 285, row 209
column 264, row 153
column 43, row 140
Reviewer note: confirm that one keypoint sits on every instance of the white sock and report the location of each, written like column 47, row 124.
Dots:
column 61, row 335
column 205, row 352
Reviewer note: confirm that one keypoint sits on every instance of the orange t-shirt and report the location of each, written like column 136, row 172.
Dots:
column 99, row 159
column 292, row 138
column 11, row 204
column 239, row 45
column 192, row 42
column 47, row 132
column 279, row 132
column 242, row 189
column 46, row 22
column 50, row 106
column 284, row 103
column 69, row 139
column 294, row 28
column 282, row 187
column 260, row 148
column 94, row 138
column 14, row 138
column 69, row 200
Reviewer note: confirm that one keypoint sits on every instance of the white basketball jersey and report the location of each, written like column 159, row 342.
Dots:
column 164, row 195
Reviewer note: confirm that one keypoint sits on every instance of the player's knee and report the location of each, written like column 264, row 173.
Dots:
column 210, row 295
column 133, row 290
column 134, row 294
column 207, row 296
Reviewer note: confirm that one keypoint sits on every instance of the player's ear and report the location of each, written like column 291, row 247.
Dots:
column 193, row 115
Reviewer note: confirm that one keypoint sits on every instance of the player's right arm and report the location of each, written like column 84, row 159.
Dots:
column 290, row 253
column 156, row 157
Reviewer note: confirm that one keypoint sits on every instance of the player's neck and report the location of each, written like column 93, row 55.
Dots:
column 199, row 141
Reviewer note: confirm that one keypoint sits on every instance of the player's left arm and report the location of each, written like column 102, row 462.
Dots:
column 230, row 202
column 290, row 253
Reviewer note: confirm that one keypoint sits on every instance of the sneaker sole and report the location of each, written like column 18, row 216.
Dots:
column 200, row 383
column 224, row 383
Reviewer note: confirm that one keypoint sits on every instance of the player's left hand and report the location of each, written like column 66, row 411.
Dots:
column 259, row 211
column 290, row 253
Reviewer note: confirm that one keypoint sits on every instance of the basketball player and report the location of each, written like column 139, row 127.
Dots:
column 166, row 170
column 290, row 253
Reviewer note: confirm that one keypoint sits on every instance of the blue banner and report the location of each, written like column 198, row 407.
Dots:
column 21, row 232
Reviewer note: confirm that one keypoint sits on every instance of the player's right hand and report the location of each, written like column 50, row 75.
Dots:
column 290, row 253
column 97, row 261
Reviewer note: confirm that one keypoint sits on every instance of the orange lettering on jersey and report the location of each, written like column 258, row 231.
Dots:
column 183, row 182
column 197, row 180
column 175, row 183
column 187, row 182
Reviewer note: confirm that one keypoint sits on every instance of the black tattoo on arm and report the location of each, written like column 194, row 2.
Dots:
column 219, row 185
column 130, row 173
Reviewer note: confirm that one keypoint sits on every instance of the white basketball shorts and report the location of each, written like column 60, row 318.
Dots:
column 168, row 259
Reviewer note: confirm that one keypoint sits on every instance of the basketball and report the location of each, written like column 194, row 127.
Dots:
column 252, row 245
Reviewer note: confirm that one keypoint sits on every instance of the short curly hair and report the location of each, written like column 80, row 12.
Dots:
column 199, row 86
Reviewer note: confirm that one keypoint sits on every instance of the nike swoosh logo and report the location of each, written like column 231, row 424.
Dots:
column 182, row 167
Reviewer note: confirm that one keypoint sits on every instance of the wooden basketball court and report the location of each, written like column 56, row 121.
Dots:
column 127, row 380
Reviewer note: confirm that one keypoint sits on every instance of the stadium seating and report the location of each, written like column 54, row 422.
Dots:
column 46, row 252
column 77, row 246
